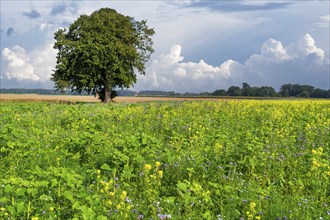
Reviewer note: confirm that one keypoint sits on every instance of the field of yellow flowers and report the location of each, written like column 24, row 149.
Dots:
column 166, row 160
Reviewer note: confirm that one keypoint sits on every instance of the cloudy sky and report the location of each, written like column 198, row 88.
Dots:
column 199, row 45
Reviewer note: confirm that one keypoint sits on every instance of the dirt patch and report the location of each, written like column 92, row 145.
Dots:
column 46, row 98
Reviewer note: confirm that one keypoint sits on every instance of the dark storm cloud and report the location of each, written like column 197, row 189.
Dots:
column 237, row 6
column 10, row 31
column 32, row 14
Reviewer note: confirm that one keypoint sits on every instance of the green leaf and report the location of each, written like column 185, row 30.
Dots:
column 82, row 195
column 3, row 199
column 54, row 182
column 8, row 188
column 87, row 213
column 76, row 205
column 20, row 191
column 139, row 158
column 68, row 195
column 32, row 191
column 215, row 185
column 105, row 167
column 20, row 207
column 11, row 209
column 45, row 197
column 182, row 186
column 207, row 215
column 41, row 183
column 127, row 172
column 170, row 199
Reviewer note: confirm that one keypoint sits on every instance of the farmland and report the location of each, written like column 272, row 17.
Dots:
column 91, row 99
column 221, row 159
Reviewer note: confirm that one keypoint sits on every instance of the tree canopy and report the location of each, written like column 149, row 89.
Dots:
column 100, row 52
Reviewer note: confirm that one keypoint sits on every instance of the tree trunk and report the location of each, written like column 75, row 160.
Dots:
column 107, row 91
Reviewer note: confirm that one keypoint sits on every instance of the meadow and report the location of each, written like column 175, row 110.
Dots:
column 230, row 159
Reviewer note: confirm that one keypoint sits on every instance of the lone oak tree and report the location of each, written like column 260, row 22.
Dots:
column 100, row 52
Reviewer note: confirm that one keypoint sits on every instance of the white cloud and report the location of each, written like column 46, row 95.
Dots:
column 302, row 62
column 44, row 61
column 306, row 47
column 273, row 49
column 18, row 64
column 324, row 21
column 226, row 67
column 44, row 26
column 169, row 72
column 34, row 66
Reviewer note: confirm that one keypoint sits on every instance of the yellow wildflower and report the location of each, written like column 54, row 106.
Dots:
column 123, row 195
column 160, row 173
column 35, row 218
column 112, row 194
column 147, row 167
column 314, row 151
column 252, row 206
column 157, row 164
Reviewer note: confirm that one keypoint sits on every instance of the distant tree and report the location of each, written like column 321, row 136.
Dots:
column 245, row 85
column 327, row 95
column 219, row 92
column 204, row 94
column 296, row 90
column 320, row 93
column 306, row 91
column 234, row 91
column 101, row 52
column 286, row 90
column 266, row 91
column 247, row 90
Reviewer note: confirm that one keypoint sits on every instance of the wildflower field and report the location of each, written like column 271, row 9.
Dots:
column 166, row 160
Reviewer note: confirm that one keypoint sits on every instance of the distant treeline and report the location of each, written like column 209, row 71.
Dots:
column 286, row 90
column 31, row 91
column 53, row 92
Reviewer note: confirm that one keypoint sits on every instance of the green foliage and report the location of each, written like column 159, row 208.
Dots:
column 183, row 160
column 305, row 91
column 234, row 91
column 101, row 52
